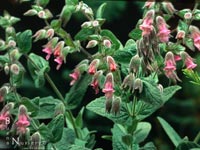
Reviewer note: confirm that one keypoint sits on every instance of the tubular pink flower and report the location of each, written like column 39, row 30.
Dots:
column 147, row 26
column 95, row 85
column 4, row 116
column 59, row 61
column 169, row 66
column 195, row 34
column 48, row 51
column 108, row 86
column 190, row 64
column 93, row 66
column 177, row 57
column 111, row 63
column 75, row 76
column 163, row 31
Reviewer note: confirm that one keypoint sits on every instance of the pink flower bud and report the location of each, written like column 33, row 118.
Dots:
column 48, row 51
column 23, row 120
column 163, row 31
column 59, row 61
column 180, row 35
column 95, row 23
column 188, row 15
column 50, row 33
column 188, row 60
column 107, row 43
column 41, row 14
column 111, row 63
column 93, row 66
column 168, row 7
column 95, row 81
column 14, row 68
column 149, row 4
column 40, row 34
column 195, row 34
column 58, row 48
column 11, row 43
column 91, row 44
column 177, row 57
column 170, row 64
column 147, row 24
column 108, row 86
column 75, row 76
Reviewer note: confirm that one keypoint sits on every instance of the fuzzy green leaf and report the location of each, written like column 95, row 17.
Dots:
column 135, row 34
column 174, row 137
column 24, row 41
column 169, row 92
column 100, row 10
column 84, row 34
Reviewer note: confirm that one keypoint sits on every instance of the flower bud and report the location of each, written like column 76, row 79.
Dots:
column 109, row 86
column 88, row 11
column 50, row 33
column 11, row 43
column 107, row 43
column 128, row 81
column 15, row 55
column 35, row 141
column 116, row 103
column 86, row 24
column 40, row 34
column 59, row 109
column 3, row 92
column 30, row 12
column 188, row 60
column 149, row 4
column 168, row 7
column 2, row 45
column 75, row 76
column 188, row 15
column 138, row 85
column 58, row 48
column 135, row 64
column 10, row 31
column 93, row 66
column 6, row 69
column 14, row 68
column 108, row 105
column 95, row 81
column 111, row 63
column 41, row 14
column 180, row 35
column 91, row 44
column 48, row 14
column 95, row 23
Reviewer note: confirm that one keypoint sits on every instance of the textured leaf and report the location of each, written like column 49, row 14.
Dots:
column 101, row 10
column 135, row 34
column 142, row 131
column 118, row 133
column 37, row 67
column 24, row 41
column 77, row 91
column 169, row 92
column 84, row 33
column 174, row 137
column 98, row 106
column 187, row 145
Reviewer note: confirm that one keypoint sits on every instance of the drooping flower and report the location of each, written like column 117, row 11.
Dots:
column 163, row 31
column 95, row 81
column 23, row 120
column 5, row 116
column 177, row 57
column 107, row 43
column 93, row 66
column 168, row 7
column 75, row 76
column 48, row 51
column 149, row 4
column 195, row 34
column 111, row 63
column 58, row 48
column 92, row 44
column 147, row 24
column 108, row 86
column 188, row 60
column 180, row 35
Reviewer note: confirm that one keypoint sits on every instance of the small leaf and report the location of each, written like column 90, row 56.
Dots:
column 67, row 13
column 80, row 87
column 142, row 131
column 56, row 126
column 38, row 66
column 24, row 41
column 84, row 34
column 100, row 11
column 79, row 118
column 45, row 132
column 189, row 43
column 196, row 14
column 174, row 137
column 135, row 34
column 182, row 26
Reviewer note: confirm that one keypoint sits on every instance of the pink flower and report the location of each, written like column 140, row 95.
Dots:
column 177, row 57
column 163, row 31
column 148, row 4
column 180, row 35
column 58, row 48
column 169, row 66
column 95, row 81
column 195, row 34
column 4, row 117
column 111, row 63
column 188, row 60
column 108, row 86
column 147, row 26
column 48, row 51
column 107, row 43
column 93, row 66
column 23, row 120
column 59, row 61
column 75, row 76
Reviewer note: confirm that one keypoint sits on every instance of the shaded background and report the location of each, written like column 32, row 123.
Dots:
column 182, row 112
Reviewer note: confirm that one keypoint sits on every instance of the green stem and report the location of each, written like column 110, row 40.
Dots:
column 55, row 89
column 134, row 105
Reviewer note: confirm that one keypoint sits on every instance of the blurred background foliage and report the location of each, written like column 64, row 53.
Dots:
column 182, row 111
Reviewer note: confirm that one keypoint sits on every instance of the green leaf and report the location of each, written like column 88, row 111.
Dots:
column 80, row 87
column 174, row 137
column 189, row 43
column 135, row 34
column 46, row 106
column 79, row 118
column 45, row 132
column 118, row 132
column 100, row 11
column 4, row 59
column 24, row 41
column 182, row 26
column 17, row 79
column 175, row 48
column 42, row 3
column 116, row 44
column 4, row 22
column 84, row 34
column 56, row 126
column 182, row 12
column 142, row 131
column 187, row 145
column 196, row 14
column 124, row 56
column 67, row 13
column 169, row 92
column 98, row 106
column 37, row 66
column 32, row 107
